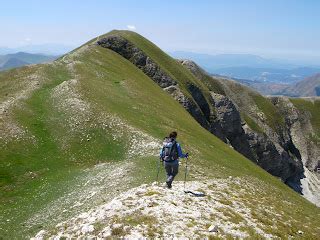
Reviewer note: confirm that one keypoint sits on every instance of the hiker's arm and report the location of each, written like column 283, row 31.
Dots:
column 161, row 153
column 181, row 155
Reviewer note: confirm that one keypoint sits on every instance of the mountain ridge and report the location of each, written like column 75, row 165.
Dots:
column 80, row 119
column 271, row 146
column 217, row 61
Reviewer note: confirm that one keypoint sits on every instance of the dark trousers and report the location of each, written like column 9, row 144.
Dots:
column 171, row 169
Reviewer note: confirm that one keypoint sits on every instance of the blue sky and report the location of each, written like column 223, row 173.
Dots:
column 279, row 29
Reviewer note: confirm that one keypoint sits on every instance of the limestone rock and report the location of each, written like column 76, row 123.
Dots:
column 213, row 228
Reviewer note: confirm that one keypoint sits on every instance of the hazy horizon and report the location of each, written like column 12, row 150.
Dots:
column 273, row 29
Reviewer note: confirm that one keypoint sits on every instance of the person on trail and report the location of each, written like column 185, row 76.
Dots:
column 170, row 154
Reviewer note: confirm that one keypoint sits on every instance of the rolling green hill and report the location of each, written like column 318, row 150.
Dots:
column 77, row 132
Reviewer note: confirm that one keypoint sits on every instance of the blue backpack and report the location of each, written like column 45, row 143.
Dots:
column 169, row 150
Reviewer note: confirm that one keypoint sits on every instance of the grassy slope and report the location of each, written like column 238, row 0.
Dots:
column 312, row 107
column 169, row 65
column 183, row 77
column 111, row 85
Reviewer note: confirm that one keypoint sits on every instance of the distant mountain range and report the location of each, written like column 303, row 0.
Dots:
column 269, row 75
column 21, row 59
column 47, row 49
column 265, row 88
column 308, row 87
column 251, row 67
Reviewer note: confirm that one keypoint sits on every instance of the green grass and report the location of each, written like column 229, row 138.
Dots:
column 212, row 83
column 169, row 65
column 137, row 218
column 251, row 123
column 273, row 118
column 12, row 81
column 151, row 193
column 312, row 108
column 36, row 172
column 166, row 63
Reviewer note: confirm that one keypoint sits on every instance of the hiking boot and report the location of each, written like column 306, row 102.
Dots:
column 169, row 184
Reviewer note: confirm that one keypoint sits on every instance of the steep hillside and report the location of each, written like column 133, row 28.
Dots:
column 78, row 132
column 219, row 106
column 302, row 120
column 278, row 135
column 308, row 87
column 202, row 98
column 252, row 125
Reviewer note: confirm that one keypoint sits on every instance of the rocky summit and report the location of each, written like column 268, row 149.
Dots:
column 80, row 140
column 217, row 208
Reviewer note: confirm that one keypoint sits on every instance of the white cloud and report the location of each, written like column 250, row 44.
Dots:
column 131, row 27
column 25, row 41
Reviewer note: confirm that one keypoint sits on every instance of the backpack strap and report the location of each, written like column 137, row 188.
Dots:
column 174, row 145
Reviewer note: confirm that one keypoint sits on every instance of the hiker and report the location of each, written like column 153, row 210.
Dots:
column 170, row 154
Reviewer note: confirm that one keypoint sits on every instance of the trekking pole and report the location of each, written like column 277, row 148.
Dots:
column 185, row 175
column 158, row 170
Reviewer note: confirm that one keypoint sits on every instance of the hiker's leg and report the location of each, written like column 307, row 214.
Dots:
column 168, row 168
column 175, row 169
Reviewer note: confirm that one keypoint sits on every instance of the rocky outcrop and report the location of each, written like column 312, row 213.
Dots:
column 137, row 57
column 300, row 130
column 276, row 161
column 126, row 49
column 195, row 111
column 257, row 147
column 272, row 151
column 230, row 121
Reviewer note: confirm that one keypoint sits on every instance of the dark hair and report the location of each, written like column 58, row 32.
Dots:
column 173, row 134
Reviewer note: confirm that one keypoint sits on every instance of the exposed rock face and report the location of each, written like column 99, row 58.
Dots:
column 138, row 58
column 276, row 161
column 278, row 152
column 150, row 68
column 299, row 128
column 229, row 119
column 195, row 111
column 273, row 151
column 257, row 147
column 197, row 95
